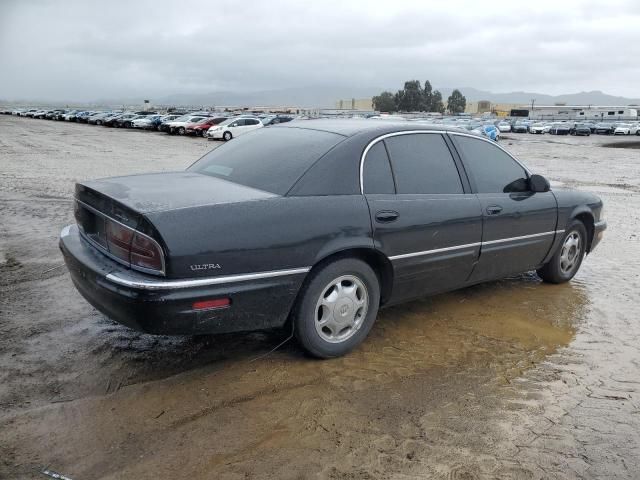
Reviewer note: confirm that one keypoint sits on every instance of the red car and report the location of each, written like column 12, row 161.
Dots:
column 201, row 127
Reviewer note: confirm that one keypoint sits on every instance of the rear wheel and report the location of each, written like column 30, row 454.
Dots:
column 337, row 308
column 181, row 131
column 227, row 136
column 567, row 259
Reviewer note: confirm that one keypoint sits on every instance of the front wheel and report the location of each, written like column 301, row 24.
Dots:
column 336, row 308
column 227, row 136
column 567, row 259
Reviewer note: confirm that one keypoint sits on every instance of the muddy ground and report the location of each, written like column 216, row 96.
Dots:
column 510, row 380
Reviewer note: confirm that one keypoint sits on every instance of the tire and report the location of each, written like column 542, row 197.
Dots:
column 322, row 334
column 181, row 131
column 563, row 265
column 227, row 136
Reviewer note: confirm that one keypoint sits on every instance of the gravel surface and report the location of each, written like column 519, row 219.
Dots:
column 510, row 380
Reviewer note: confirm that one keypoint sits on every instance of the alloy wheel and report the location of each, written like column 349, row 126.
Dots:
column 341, row 309
column 570, row 253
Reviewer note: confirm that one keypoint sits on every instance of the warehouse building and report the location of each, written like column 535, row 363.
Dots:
column 582, row 112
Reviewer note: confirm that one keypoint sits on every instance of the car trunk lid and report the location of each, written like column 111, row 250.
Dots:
column 142, row 194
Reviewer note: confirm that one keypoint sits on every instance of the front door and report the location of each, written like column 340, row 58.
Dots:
column 518, row 225
column 423, row 218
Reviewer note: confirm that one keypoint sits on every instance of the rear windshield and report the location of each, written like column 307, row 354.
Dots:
column 269, row 159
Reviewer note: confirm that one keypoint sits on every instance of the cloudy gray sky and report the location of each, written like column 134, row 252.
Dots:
column 86, row 50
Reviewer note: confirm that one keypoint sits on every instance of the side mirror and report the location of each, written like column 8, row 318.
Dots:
column 539, row 184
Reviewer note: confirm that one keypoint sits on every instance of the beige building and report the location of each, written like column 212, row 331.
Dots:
column 485, row 106
column 355, row 104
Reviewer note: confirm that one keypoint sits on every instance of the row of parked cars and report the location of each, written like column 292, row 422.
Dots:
column 570, row 128
column 211, row 125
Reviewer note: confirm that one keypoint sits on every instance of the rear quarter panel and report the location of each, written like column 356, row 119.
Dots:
column 261, row 235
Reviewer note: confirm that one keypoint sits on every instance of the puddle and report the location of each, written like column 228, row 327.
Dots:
column 633, row 144
column 603, row 189
column 238, row 417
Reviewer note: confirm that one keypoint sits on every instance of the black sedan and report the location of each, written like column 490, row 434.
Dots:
column 605, row 128
column 319, row 223
column 581, row 129
column 560, row 129
column 520, row 127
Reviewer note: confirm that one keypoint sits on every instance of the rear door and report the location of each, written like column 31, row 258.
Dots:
column 518, row 225
column 252, row 124
column 425, row 218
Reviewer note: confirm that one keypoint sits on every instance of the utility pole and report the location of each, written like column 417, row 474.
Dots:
column 533, row 101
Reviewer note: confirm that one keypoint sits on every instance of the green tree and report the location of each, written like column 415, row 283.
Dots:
column 456, row 103
column 385, row 102
column 427, row 97
column 436, row 102
column 410, row 98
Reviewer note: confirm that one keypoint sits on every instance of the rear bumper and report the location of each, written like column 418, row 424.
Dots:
column 161, row 306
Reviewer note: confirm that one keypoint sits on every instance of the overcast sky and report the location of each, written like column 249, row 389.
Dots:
column 85, row 50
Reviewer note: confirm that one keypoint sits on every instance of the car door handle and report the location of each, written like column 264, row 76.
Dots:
column 494, row 209
column 386, row 216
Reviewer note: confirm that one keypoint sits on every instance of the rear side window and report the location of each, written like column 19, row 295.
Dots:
column 269, row 159
column 377, row 176
column 422, row 163
column 492, row 170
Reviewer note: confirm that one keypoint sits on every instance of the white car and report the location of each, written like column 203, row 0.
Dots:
column 145, row 122
column 624, row 129
column 539, row 128
column 234, row 127
column 179, row 125
column 504, row 126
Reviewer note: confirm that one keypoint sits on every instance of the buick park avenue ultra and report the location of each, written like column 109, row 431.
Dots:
column 319, row 223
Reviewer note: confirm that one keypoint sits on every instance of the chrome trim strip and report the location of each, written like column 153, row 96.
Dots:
column 145, row 284
column 437, row 250
column 470, row 245
column 523, row 237
column 138, row 232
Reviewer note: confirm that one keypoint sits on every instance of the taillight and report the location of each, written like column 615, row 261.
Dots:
column 146, row 253
column 119, row 240
column 133, row 247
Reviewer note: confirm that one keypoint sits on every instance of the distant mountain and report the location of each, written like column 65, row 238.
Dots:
column 310, row 97
column 595, row 97
column 325, row 96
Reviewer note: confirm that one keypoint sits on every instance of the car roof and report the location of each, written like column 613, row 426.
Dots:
column 350, row 127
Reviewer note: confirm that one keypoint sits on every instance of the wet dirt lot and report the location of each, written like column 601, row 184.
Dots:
column 510, row 380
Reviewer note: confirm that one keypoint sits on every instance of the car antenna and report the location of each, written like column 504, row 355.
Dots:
column 264, row 355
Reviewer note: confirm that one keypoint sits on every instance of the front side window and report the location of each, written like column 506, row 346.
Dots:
column 492, row 169
column 422, row 163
